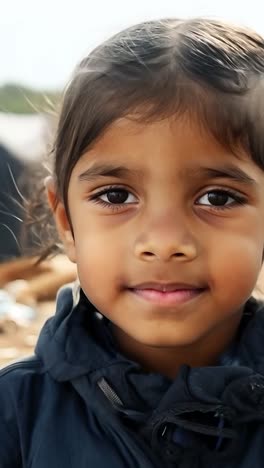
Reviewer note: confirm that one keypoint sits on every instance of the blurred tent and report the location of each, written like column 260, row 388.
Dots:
column 26, row 136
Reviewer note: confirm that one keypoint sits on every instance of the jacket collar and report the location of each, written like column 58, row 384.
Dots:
column 77, row 341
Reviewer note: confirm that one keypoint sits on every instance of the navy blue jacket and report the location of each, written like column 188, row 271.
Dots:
column 79, row 403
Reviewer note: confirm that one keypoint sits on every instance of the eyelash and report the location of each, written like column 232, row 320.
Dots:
column 112, row 206
column 238, row 198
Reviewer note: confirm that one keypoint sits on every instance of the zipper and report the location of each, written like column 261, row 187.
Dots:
column 117, row 403
column 144, row 454
column 110, row 394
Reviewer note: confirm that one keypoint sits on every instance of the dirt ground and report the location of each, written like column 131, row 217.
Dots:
column 18, row 343
column 41, row 286
column 21, row 342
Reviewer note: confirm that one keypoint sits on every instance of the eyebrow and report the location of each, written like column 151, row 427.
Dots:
column 107, row 170
column 227, row 172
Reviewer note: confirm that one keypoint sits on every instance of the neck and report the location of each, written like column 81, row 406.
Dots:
column 168, row 360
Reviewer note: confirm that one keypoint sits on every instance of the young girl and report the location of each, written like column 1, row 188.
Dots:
column 156, row 359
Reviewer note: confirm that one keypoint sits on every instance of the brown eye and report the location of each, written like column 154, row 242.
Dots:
column 218, row 198
column 116, row 196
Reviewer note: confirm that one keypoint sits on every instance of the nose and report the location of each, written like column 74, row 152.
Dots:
column 166, row 240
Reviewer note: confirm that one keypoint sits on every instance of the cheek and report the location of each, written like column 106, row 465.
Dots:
column 99, row 261
column 235, row 266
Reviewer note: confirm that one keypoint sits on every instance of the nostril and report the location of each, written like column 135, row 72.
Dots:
column 178, row 254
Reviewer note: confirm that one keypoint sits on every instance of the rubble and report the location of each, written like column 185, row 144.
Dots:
column 27, row 299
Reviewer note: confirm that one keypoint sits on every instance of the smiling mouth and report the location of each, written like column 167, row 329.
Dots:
column 170, row 294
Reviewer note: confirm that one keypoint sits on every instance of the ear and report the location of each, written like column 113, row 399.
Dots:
column 63, row 225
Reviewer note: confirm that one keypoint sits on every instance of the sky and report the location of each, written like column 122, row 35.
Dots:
column 42, row 40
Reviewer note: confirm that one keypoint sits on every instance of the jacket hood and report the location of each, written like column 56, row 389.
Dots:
column 76, row 345
column 77, row 342
column 67, row 343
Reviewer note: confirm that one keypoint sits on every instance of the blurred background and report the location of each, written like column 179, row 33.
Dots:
column 40, row 43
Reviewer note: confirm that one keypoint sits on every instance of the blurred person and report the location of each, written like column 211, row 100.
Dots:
column 156, row 357
column 11, row 204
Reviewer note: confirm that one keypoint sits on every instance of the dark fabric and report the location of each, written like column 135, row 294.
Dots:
column 80, row 403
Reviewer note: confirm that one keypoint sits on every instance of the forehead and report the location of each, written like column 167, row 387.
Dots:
column 169, row 153
column 181, row 142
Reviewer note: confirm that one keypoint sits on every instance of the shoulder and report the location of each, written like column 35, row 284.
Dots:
column 15, row 371
column 20, row 382
column 14, row 380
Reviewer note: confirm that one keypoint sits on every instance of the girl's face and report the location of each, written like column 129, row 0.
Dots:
column 168, row 231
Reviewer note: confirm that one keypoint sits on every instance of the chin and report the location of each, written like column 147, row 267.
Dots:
column 167, row 341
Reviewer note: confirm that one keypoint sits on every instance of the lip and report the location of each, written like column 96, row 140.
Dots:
column 165, row 287
column 167, row 294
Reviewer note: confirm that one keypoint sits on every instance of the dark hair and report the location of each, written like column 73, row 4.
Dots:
column 211, row 70
column 206, row 68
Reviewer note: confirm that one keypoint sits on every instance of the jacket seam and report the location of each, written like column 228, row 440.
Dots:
column 23, row 364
